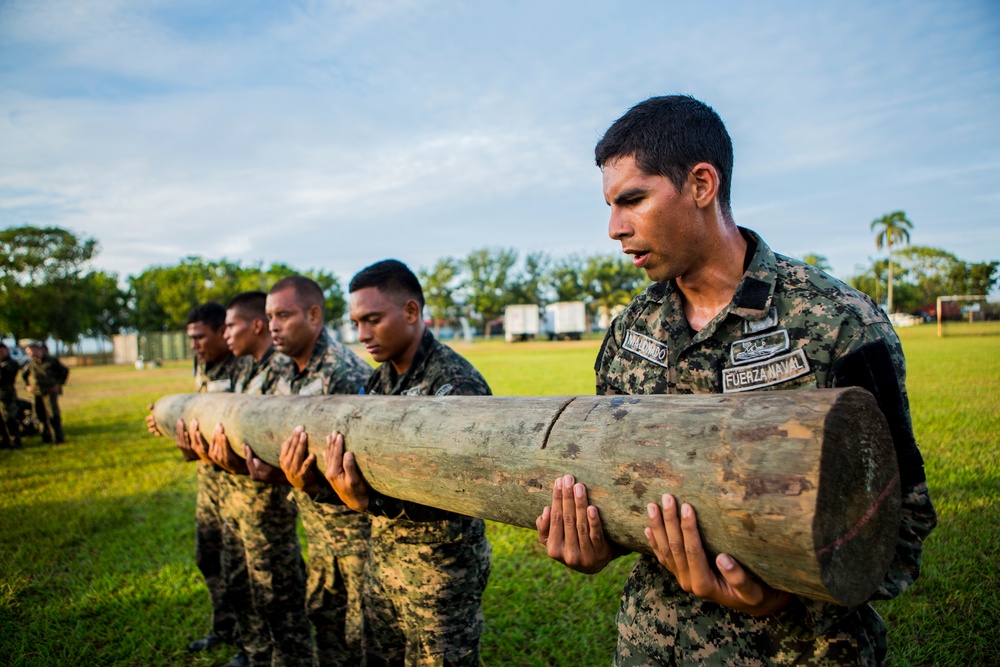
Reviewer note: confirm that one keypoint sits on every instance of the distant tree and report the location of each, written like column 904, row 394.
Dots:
column 531, row 283
column 974, row 278
column 891, row 229
column 818, row 261
column 440, row 284
column 611, row 280
column 487, row 283
column 566, row 278
column 162, row 296
column 43, row 282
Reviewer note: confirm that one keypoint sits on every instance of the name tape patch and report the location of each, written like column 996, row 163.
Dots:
column 758, row 348
column 314, row 388
column 765, row 373
column 646, row 347
column 218, row 386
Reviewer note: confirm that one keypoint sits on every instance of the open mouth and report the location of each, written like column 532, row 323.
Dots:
column 639, row 258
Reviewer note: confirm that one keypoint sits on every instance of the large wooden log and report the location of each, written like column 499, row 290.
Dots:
column 802, row 487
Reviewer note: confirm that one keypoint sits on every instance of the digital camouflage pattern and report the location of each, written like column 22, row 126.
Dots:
column 428, row 567
column 43, row 375
column 265, row 574
column 10, row 430
column 788, row 326
column 337, row 535
column 209, row 543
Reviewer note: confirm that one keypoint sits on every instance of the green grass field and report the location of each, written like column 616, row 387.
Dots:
column 97, row 536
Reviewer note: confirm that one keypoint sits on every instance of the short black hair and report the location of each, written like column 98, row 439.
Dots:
column 308, row 293
column 211, row 313
column 392, row 276
column 250, row 304
column 669, row 135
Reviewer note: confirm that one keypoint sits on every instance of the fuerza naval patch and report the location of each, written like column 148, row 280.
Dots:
column 646, row 347
column 765, row 373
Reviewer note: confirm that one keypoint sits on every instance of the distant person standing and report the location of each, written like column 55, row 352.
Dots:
column 10, row 430
column 44, row 376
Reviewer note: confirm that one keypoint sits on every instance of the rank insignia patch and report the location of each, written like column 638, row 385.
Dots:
column 646, row 347
column 769, row 322
column 758, row 348
column 765, row 373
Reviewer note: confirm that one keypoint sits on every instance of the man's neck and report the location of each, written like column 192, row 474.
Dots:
column 710, row 287
column 402, row 363
column 261, row 349
column 302, row 360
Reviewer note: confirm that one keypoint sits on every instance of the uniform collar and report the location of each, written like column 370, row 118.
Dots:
column 318, row 352
column 419, row 359
column 754, row 294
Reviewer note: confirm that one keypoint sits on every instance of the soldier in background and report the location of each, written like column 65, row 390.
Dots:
column 428, row 567
column 264, row 570
column 44, row 376
column 10, row 429
column 337, row 536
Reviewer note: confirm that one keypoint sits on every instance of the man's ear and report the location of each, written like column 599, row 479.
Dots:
column 703, row 179
column 315, row 314
column 259, row 326
column 411, row 309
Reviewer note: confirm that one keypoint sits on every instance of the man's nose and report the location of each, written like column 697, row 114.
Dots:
column 618, row 226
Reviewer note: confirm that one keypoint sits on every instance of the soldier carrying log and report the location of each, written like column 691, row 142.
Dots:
column 667, row 167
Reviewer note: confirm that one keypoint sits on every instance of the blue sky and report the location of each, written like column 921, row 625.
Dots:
column 333, row 134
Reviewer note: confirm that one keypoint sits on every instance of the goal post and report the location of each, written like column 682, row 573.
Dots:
column 952, row 298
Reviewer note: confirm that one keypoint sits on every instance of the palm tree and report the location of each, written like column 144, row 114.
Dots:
column 891, row 228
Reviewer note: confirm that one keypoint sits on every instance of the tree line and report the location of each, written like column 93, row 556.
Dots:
column 49, row 288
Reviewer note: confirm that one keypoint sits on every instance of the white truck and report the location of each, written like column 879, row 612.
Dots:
column 520, row 322
column 565, row 319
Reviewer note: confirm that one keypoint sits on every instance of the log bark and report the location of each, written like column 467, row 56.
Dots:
column 802, row 487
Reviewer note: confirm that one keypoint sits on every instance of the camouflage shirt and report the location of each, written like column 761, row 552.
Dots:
column 259, row 377
column 788, row 326
column 219, row 377
column 436, row 370
column 332, row 369
column 44, row 374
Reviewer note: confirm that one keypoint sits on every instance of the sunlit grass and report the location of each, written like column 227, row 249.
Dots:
column 97, row 568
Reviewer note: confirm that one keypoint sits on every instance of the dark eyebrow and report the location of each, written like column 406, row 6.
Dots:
column 629, row 195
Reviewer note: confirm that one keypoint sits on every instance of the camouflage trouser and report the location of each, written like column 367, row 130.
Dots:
column 49, row 417
column 264, row 570
column 660, row 624
column 423, row 592
column 338, row 548
column 208, row 549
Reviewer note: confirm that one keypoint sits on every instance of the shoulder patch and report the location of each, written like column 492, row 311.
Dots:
column 444, row 390
column 765, row 373
column 646, row 347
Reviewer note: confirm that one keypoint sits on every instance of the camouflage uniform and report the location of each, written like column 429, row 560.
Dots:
column 337, row 536
column 428, row 567
column 265, row 575
column 209, row 544
column 788, row 326
column 42, row 375
column 10, row 431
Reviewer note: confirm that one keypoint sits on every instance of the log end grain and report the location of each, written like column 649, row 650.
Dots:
column 858, row 508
